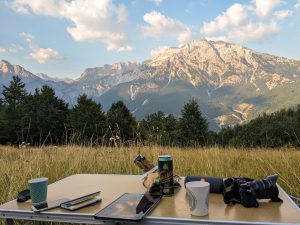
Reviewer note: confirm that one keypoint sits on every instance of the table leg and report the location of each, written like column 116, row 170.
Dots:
column 9, row 222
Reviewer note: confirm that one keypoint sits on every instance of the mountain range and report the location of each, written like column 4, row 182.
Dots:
column 233, row 84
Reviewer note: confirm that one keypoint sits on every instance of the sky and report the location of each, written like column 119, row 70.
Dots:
column 64, row 37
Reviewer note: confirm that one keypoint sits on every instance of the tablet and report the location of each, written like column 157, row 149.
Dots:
column 129, row 207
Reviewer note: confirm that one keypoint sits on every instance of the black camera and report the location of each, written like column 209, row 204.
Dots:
column 246, row 191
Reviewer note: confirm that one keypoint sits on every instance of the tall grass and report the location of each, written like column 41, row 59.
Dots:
column 17, row 166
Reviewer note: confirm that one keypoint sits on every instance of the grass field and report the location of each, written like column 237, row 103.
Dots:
column 19, row 165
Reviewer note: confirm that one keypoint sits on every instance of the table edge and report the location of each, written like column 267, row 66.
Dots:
column 89, row 217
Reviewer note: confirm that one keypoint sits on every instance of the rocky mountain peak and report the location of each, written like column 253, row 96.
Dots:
column 42, row 76
column 46, row 77
column 7, row 68
column 215, row 63
column 109, row 70
column 124, row 66
column 204, row 51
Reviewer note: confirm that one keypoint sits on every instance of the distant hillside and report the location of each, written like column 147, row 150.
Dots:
column 232, row 83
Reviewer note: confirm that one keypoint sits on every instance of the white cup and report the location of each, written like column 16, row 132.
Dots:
column 198, row 192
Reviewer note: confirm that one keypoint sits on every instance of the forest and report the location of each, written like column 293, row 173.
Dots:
column 41, row 118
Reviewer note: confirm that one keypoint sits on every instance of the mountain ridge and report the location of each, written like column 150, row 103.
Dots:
column 232, row 83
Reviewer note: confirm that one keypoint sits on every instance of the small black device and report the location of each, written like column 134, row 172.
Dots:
column 23, row 196
column 129, row 208
column 49, row 205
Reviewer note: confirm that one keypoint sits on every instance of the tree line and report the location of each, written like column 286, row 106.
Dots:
column 41, row 118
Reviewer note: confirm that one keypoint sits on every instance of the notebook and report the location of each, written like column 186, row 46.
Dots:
column 82, row 201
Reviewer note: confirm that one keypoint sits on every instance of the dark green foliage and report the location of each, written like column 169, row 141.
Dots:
column 157, row 128
column 193, row 128
column 11, row 111
column 15, row 93
column 269, row 130
column 226, row 134
column 122, row 124
column 45, row 117
column 171, row 127
column 212, row 138
column 86, row 121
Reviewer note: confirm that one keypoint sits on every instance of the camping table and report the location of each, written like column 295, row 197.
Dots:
column 171, row 210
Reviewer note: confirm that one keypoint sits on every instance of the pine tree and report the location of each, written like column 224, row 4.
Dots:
column 15, row 93
column 11, row 111
column 153, row 127
column 121, row 122
column 159, row 128
column 171, row 127
column 87, row 120
column 45, row 117
column 193, row 128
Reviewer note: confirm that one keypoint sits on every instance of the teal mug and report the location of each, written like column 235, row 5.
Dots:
column 38, row 190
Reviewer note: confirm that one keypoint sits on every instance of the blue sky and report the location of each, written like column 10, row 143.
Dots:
column 62, row 38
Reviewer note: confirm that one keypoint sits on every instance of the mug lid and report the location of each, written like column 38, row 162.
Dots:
column 197, row 184
column 37, row 180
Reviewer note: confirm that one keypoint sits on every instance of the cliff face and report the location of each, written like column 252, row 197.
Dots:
column 216, row 64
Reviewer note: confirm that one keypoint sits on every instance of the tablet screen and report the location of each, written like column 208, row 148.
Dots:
column 129, row 207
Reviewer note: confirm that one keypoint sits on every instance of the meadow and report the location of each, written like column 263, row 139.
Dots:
column 17, row 166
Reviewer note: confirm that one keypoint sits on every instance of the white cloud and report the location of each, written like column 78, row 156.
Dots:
column 2, row 50
column 246, row 22
column 160, row 26
column 44, row 8
column 264, row 7
column 282, row 14
column 252, row 32
column 92, row 20
column 158, row 2
column 45, row 55
column 41, row 55
column 26, row 35
column 297, row 5
column 158, row 50
column 235, row 15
